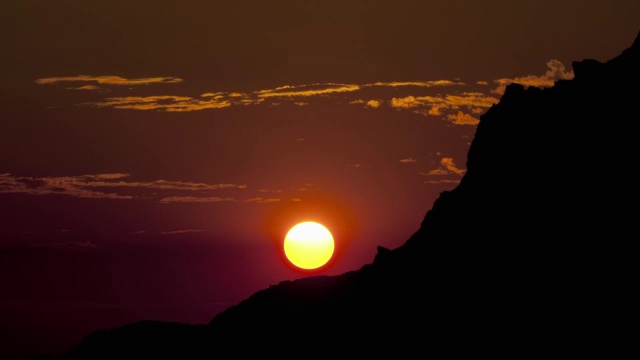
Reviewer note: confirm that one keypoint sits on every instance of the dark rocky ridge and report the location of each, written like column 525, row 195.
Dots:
column 530, row 255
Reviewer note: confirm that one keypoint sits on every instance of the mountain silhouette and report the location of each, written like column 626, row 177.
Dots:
column 530, row 255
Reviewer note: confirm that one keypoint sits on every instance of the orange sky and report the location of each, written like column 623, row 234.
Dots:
column 154, row 154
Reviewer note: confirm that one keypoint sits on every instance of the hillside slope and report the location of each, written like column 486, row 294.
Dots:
column 530, row 254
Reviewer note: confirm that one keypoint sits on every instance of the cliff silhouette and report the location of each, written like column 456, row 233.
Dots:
column 530, row 255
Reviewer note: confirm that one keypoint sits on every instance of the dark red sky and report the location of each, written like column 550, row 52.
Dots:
column 154, row 153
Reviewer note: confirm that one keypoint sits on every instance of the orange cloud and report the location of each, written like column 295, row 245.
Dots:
column 370, row 104
column 463, row 119
column 85, row 87
column 435, row 105
column 408, row 161
column 443, row 181
column 109, row 80
column 447, row 167
column 307, row 90
column 416, row 83
column 406, row 102
column 426, row 105
column 373, row 104
column 164, row 102
column 555, row 72
column 448, row 163
column 469, row 99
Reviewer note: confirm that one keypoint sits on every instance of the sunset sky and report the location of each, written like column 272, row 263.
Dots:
column 153, row 154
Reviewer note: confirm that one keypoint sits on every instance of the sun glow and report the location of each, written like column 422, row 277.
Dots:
column 308, row 245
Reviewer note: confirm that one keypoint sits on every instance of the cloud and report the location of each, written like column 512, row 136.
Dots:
column 448, row 163
column 436, row 110
column 110, row 80
column 447, row 167
column 299, row 95
column 307, row 90
column 218, row 95
column 175, row 232
column 262, row 200
column 436, row 105
column 468, row 99
column 555, row 72
column 373, row 104
column 463, row 119
column 164, row 102
column 163, row 184
column 111, row 176
column 406, row 102
column 85, row 186
column 85, row 87
column 408, row 160
column 482, row 82
column 443, row 181
column 194, row 199
column 416, row 83
column 69, row 186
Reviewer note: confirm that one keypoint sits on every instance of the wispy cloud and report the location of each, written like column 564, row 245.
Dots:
column 109, row 80
column 176, row 232
column 70, row 186
column 307, row 90
column 93, row 186
column 447, row 167
column 263, row 200
column 555, row 72
column 194, row 199
column 417, row 83
column 442, row 181
column 474, row 102
column 468, row 99
column 85, row 87
column 164, row 102
column 407, row 161
column 461, row 108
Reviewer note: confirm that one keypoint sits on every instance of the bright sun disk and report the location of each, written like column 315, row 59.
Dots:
column 308, row 245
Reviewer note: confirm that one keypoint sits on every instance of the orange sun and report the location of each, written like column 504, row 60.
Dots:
column 308, row 245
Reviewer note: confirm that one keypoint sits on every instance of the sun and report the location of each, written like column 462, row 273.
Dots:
column 309, row 245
